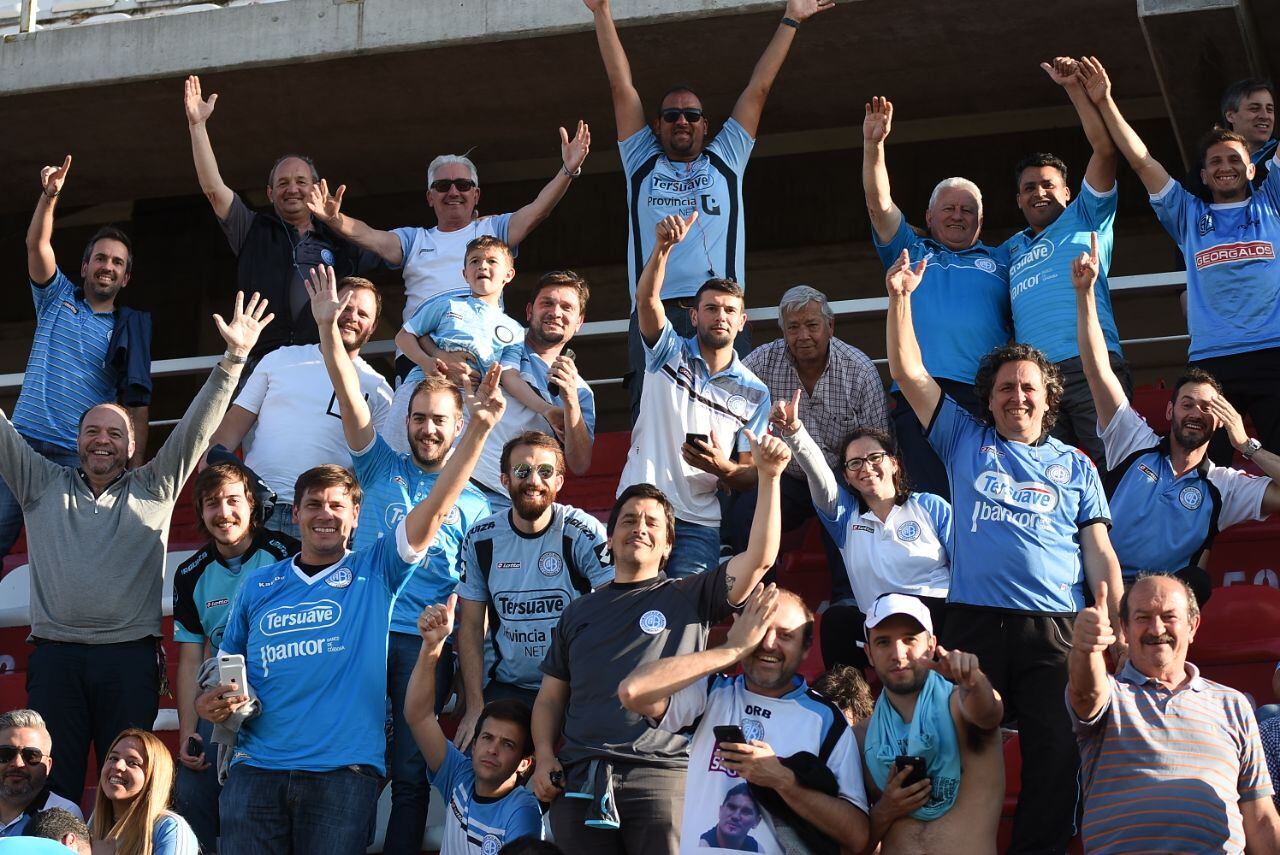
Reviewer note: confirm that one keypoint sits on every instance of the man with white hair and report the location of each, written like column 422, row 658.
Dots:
column 835, row 387
column 961, row 309
column 431, row 259
column 26, row 756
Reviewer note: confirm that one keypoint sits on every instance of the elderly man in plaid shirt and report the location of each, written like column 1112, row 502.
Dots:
column 839, row 389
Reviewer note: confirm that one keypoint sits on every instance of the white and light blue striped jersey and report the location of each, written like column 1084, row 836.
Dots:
column 711, row 184
column 393, row 484
column 66, row 371
column 469, row 325
column 474, row 825
column 681, row 396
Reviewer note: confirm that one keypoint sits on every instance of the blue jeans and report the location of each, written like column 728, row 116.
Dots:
column 696, row 550
column 410, row 791
column 196, row 793
column 10, row 510
column 281, row 520
column 279, row 812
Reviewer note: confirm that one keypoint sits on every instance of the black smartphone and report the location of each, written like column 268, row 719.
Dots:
column 696, row 438
column 919, row 769
column 729, row 733
column 194, row 748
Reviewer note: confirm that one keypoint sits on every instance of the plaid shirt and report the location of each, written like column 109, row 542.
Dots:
column 848, row 395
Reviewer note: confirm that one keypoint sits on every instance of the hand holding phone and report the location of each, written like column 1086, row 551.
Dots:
column 919, row 768
column 729, row 733
column 231, row 672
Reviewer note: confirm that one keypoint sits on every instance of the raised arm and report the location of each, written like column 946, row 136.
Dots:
column 484, row 407
column 750, row 104
column 1230, row 421
column 747, row 567
column 357, row 420
column 211, row 183
column 434, row 625
column 572, row 154
column 577, row 433
column 327, row 209
column 1101, row 171
column 886, row 217
column 1104, row 385
column 979, row 702
column 785, row 419
column 41, row 263
column 648, row 689
column 141, row 419
column 906, row 366
column 650, row 314
column 628, row 112
column 1088, row 686
column 1098, row 87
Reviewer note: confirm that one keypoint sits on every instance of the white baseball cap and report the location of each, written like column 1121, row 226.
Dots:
column 898, row 604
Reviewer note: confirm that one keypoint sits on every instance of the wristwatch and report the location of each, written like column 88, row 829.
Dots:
column 1250, row 448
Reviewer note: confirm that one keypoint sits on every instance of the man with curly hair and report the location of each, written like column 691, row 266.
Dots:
column 1031, row 524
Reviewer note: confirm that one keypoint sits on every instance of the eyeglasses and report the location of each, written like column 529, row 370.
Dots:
column 853, row 464
column 691, row 115
column 30, row 756
column 522, row 471
column 442, row 185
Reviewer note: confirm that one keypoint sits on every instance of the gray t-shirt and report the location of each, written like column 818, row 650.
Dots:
column 602, row 637
column 528, row 580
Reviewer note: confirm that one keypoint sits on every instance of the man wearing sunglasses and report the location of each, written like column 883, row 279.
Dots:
column 522, row 567
column 25, row 761
column 671, row 169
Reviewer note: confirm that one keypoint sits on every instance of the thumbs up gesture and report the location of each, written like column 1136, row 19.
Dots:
column 1093, row 633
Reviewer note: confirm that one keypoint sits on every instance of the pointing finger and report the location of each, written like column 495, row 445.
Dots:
column 1093, row 246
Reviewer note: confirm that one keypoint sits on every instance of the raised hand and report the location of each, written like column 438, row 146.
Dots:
column 901, row 279
column 1097, row 85
column 878, row 121
column 957, row 666
column 53, row 177
column 785, row 415
column 322, row 288
column 574, row 151
column 1062, row 70
column 803, row 10
column 672, row 229
column 596, row 5
column 752, row 623
column 436, row 622
column 198, row 110
column 1085, row 267
column 242, row 331
column 326, row 208
column 1093, row 633
column 484, row 402
column 770, row 454
column 1228, row 418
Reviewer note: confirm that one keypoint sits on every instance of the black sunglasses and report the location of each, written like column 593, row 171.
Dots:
column 691, row 115
column 442, row 185
column 30, row 756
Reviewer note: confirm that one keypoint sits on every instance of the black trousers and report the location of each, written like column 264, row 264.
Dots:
column 90, row 693
column 1025, row 657
column 925, row 470
column 1251, row 382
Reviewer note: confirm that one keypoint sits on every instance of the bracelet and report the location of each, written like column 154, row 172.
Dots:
column 572, row 175
column 791, row 22
column 234, row 359
column 53, row 195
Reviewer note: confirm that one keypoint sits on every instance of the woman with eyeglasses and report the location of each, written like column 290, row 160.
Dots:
column 893, row 540
column 134, row 793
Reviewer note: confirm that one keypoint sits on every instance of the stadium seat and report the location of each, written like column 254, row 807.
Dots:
column 1237, row 643
column 595, row 491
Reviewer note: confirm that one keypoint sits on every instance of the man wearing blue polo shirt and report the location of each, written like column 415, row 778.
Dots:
column 671, row 169
column 1040, row 258
column 1233, row 277
column 964, row 303
column 1030, row 526
column 394, row 483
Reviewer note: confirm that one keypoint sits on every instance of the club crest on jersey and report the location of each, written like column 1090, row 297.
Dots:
column 490, row 845
column 753, row 728
column 1191, row 497
column 339, row 578
column 1058, row 473
column 1027, row 495
column 986, row 265
column 1206, row 223
column 550, row 564
column 909, row 531
column 453, row 516
column 737, row 405
column 326, row 256
column 653, row 622
column 504, row 335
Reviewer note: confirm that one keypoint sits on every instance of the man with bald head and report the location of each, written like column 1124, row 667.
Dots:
column 1160, row 742
column 962, row 308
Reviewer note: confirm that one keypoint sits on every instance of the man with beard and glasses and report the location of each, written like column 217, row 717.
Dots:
column 938, row 706
column 698, row 407
column 86, row 350
column 520, row 568
column 1169, row 761
column 1168, row 499
column 394, row 483
column 25, row 760
column 289, row 404
column 555, row 313
column 228, row 498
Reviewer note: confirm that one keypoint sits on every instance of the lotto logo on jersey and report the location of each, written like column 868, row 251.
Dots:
column 1225, row 253
column 1027, row 495
column 304, row 616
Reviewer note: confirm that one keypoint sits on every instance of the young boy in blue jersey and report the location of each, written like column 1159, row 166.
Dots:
column 306, row 769
column 487, row 806
column 1230, row 245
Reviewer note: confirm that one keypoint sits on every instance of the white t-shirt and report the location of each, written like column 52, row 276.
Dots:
column 299, row 425
column 433, row 259
column 800, row 720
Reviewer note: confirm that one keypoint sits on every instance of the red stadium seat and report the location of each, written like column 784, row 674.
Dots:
column 1238, row 643
column 594, row 492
